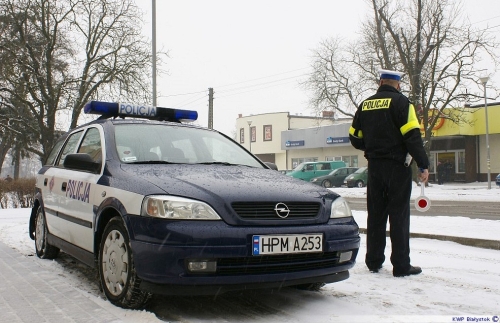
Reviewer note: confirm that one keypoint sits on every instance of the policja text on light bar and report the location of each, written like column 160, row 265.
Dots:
column 113, row 109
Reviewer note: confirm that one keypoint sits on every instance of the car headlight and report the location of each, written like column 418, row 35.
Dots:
column 314, row 180
column 340, row 209
column 177, row 208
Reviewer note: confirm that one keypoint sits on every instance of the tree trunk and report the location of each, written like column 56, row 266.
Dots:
column 17, row 162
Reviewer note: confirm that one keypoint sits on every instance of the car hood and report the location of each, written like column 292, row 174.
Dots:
column 230, row 183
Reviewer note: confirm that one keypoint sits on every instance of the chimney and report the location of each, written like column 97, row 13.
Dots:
column 240, row 115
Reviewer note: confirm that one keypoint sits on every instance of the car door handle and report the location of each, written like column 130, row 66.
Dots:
column 63, row 186
column 45, row 182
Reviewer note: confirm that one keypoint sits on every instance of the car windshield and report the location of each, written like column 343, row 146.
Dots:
column 334, row 171
column 156, row 143
column 360, row 170
column 299, row 166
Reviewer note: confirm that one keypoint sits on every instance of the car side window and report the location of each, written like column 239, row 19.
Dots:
column 91, row 145
column 343, row 171
column 324, row 166
column 53, row 153
column 70, row 146
column 309, row 167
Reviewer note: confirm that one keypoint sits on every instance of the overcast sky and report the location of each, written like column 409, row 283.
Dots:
column 255, row 53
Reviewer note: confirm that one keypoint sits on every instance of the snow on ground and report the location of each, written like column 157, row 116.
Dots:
column 457, row 281
column 476, row 191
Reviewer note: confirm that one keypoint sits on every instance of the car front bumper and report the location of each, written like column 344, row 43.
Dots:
column 162, row 250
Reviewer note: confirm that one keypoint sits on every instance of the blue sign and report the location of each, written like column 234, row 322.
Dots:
column 337, row 140
column 294, row 143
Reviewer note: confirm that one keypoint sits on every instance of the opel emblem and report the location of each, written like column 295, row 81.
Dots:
column 282, row 210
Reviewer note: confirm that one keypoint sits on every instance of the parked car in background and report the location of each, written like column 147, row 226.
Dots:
column 335, row 178
column 498, row 180
column 357, row 179
column 308, row 170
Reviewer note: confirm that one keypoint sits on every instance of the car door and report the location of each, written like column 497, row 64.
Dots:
column 338, row 179
column 46, row 183
column 77, row 189
column 56, row 192
column 307, row 172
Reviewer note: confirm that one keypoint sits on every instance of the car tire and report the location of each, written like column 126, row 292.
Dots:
column 326, row 183
column 360, row 184
column 314, row 287
column 43, row 249
column 117, row 273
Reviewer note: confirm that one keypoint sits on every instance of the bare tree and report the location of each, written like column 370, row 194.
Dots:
column 66, row 52
column 425, row 39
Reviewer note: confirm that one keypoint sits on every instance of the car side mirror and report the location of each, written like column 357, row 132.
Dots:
column 81, row 162
column 271, row 165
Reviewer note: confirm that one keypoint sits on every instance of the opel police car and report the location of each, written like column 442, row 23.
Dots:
column 162, row 206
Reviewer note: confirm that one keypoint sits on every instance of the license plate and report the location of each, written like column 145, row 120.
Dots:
column 286, row 244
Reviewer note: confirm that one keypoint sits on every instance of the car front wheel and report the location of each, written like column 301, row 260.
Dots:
column 116, row 268
column 44, row 250
column 360, row 184
column 327, row 183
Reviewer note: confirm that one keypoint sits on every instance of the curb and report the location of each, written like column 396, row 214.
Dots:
column 473, row 242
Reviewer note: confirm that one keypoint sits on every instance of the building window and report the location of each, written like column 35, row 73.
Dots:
column 461, row 161
column 253, row 133
column 268, row 132
column 350, row 161
column 242, row 135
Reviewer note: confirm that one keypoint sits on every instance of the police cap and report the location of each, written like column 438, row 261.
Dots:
column 392, row 75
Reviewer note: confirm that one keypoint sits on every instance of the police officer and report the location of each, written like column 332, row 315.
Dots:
column 386, row 128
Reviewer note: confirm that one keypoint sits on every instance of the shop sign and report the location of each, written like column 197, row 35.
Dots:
column 295, row 143
column 337, row 140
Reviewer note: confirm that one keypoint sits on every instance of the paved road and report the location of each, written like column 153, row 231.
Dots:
column 473, row 210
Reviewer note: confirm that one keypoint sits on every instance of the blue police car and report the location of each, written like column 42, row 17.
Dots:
column 165, row 207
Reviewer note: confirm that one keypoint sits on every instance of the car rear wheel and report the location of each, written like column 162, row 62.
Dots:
column 44, row 250
column 360, row 184
column 327, row 183
column 116, row 268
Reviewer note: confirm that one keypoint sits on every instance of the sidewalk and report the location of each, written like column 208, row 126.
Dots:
column 30, row 293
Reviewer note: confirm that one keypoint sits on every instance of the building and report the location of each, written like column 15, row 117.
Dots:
column 288, row 140
column 265, row 132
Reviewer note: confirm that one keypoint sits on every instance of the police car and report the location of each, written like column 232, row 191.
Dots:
column 165, row 207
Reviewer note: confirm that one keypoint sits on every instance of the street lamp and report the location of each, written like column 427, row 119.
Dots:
column 250, row 134
column 484, row 80
column 153, row 48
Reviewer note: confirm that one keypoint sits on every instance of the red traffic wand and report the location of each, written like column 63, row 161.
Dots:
column 422, row 203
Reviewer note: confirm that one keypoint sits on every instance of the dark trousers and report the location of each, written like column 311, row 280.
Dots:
column 388, row 197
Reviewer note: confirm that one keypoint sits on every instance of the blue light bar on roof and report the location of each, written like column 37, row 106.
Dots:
column 113, row 109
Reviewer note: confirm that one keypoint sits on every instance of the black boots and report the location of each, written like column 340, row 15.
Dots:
column 411, row 271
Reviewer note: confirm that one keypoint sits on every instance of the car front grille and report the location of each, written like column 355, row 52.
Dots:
column 267, row 211
column 276, row 264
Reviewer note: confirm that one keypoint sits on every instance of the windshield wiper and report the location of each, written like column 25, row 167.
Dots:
column 153, row 162
column 220, row 163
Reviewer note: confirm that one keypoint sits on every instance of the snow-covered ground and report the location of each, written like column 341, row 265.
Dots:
column 457, row 281
column 477, row 191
